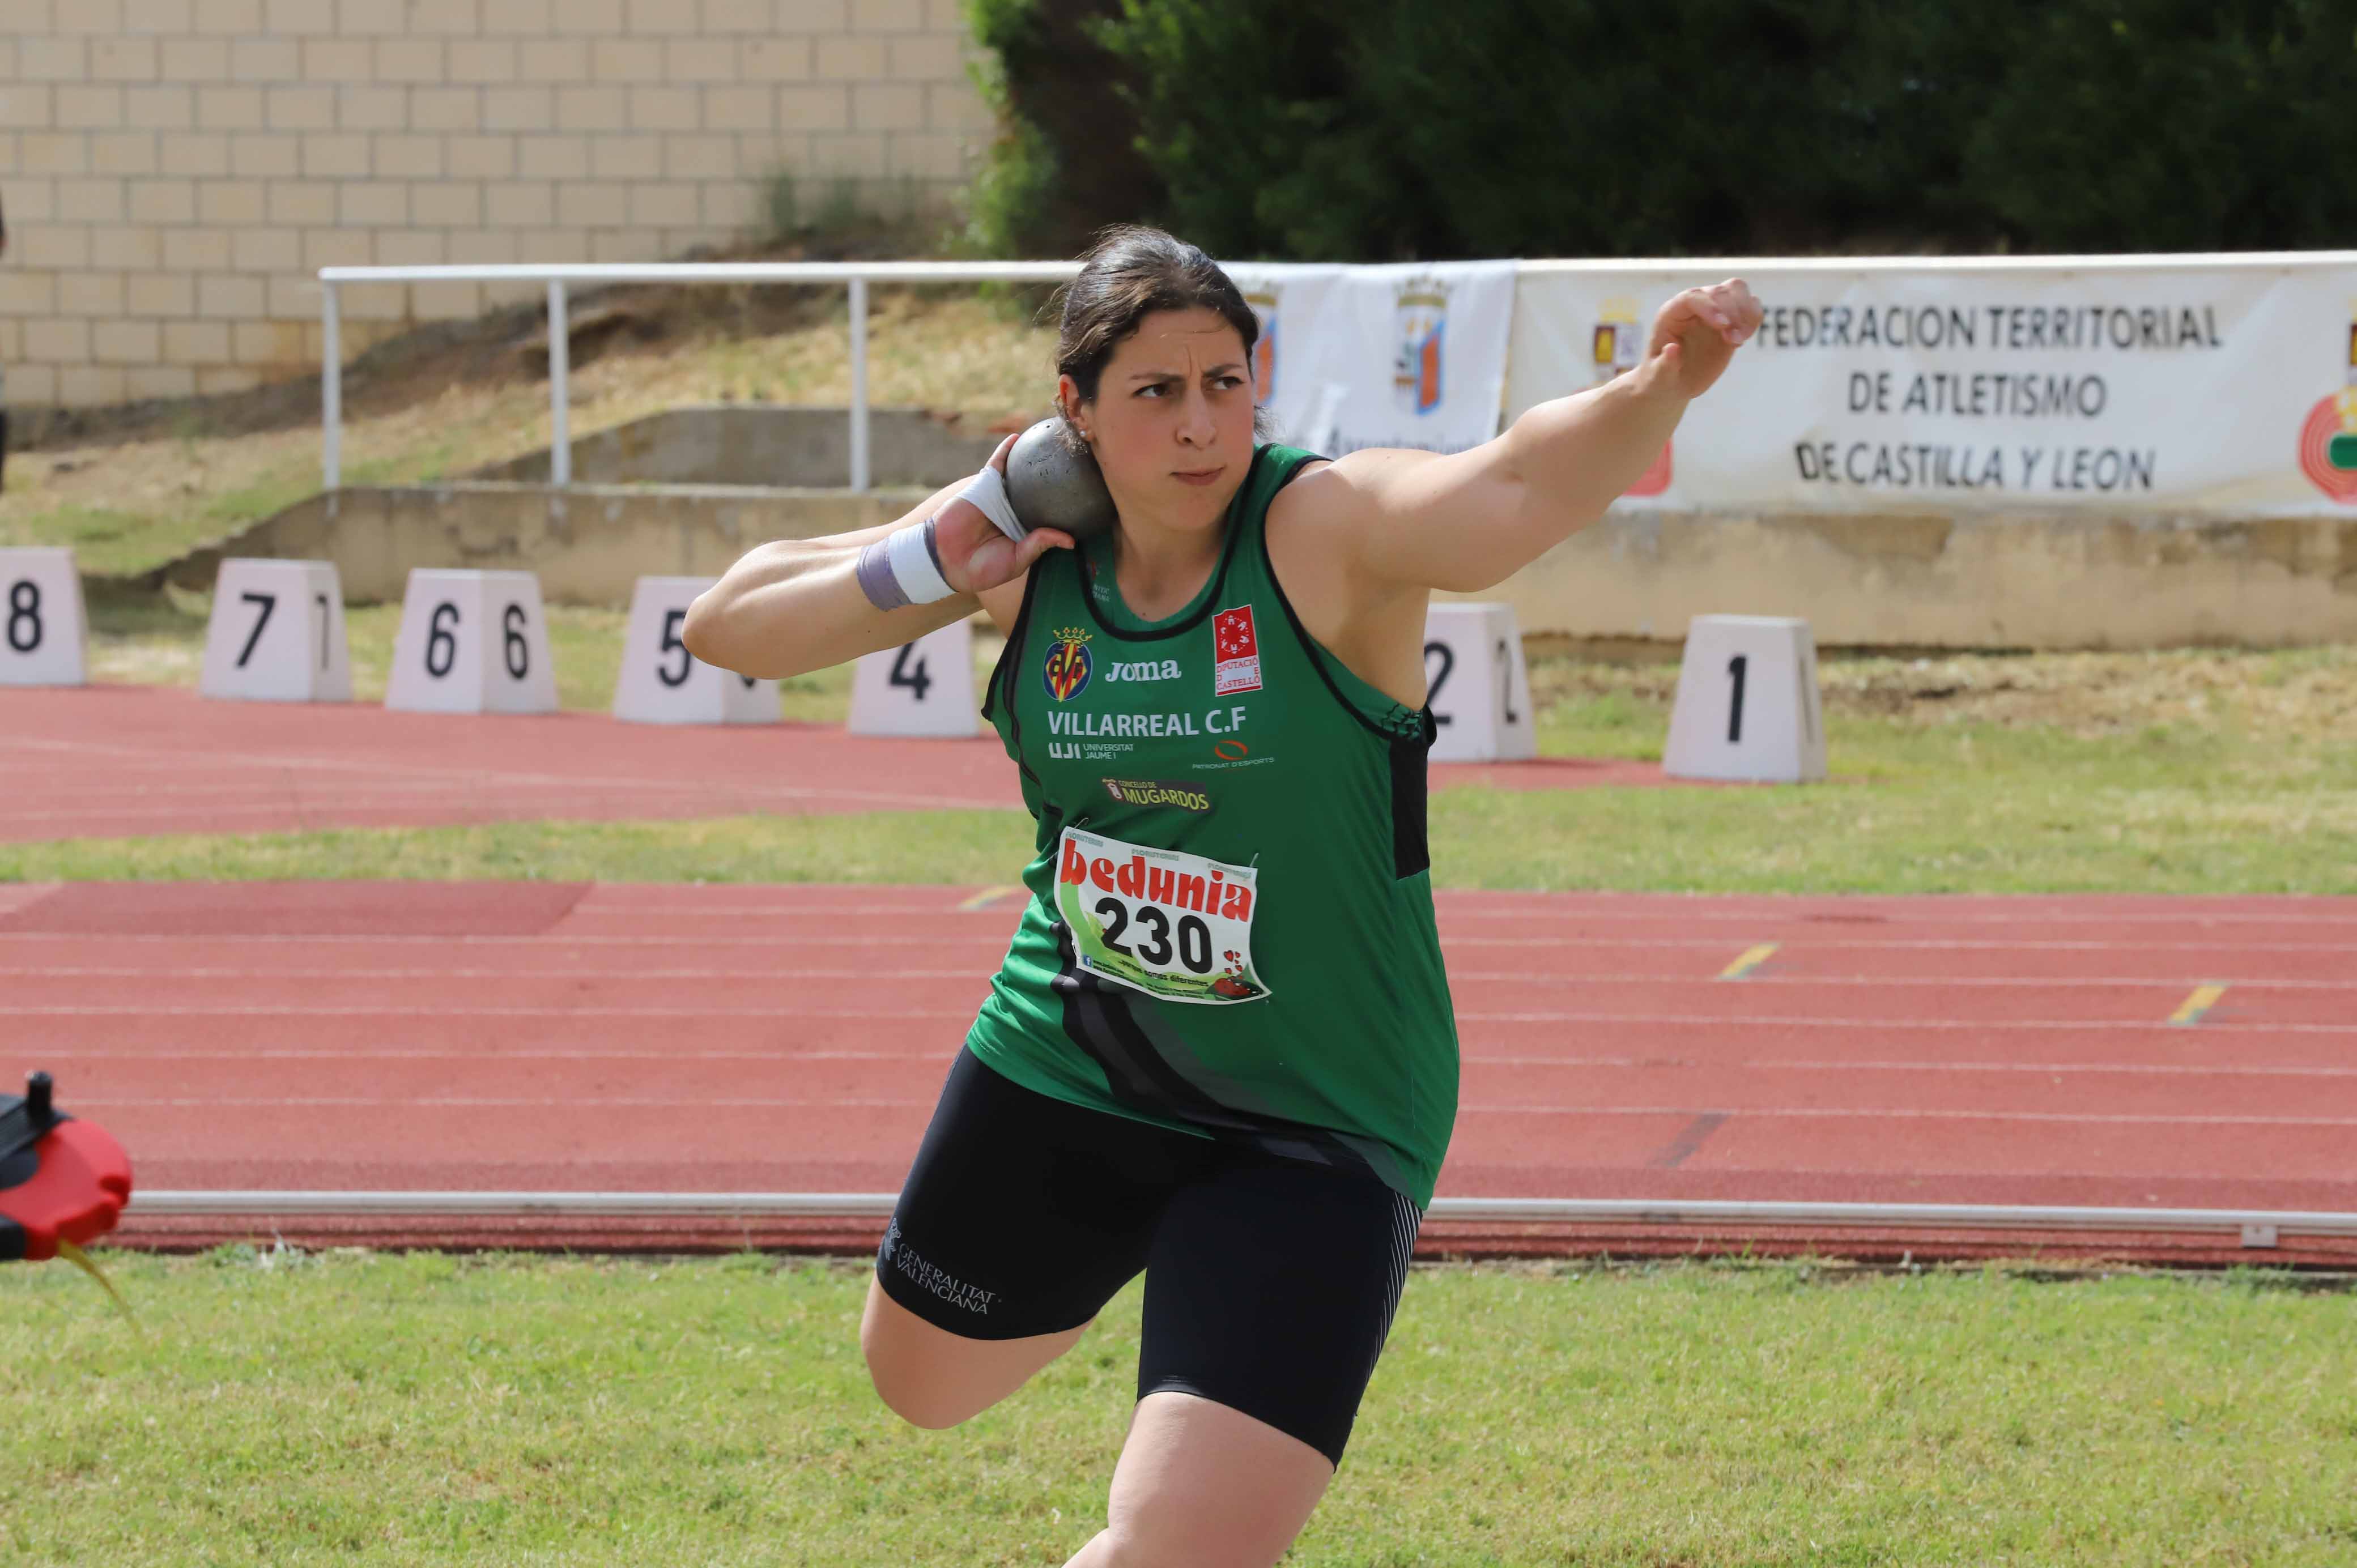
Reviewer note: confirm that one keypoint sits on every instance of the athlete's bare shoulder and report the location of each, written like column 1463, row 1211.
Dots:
column 1339, row 494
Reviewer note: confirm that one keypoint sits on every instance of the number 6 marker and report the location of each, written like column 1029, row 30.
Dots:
column 472, row 642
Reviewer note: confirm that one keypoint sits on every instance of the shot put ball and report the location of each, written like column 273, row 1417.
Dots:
column 1052, row 482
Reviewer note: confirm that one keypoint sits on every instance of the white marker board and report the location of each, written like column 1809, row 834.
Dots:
column 1747, row 705
column 663, row 683
column 472, row 642
column 1477, row 683
column 277, row 633
column 920, row 688
column 44, row 628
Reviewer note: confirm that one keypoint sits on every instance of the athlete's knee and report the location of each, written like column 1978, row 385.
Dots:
column 916, row 1399
column 921, row 1406
column 914, row 1392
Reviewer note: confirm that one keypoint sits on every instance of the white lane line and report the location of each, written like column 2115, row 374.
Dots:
column 1762, row 1064
column 774, row 1014
column 1883, row 908
column 1573, row 906
column 692, row 1102
column 787, row 1014
column 549, row 939
column 1926, row 944
column 788, row 1058
column 998, row 920
column 967, row 912
column 1795, row 1021
column 1912, row 1115
column 67, row 972
column 557, row 939
column 484, row 1103
column 493, row 1057
column 2172, row 984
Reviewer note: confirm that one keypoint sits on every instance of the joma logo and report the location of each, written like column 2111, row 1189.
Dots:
column 1152, row 670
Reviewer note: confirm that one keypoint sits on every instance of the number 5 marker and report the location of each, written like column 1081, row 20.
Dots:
column 663, row 683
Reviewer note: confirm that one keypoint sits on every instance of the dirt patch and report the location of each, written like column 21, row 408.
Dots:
column 132, row 486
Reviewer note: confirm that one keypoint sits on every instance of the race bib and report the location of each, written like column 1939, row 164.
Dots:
column 1172, row 925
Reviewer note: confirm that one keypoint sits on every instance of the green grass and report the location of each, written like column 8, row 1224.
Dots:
column 160, row 640
column 288, row 1408
column 982, row 848
column 2197, row 771
column 1974, row 809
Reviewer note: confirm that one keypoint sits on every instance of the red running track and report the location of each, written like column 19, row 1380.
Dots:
column 113, row 761
column 513, row 1036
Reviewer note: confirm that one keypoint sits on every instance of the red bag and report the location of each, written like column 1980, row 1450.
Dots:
column 60, row 1178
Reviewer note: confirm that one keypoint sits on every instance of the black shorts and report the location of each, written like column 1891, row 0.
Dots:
column 1270, row 1284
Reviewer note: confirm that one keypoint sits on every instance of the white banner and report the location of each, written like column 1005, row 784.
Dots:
column 2202, row 384
column 1407, row 355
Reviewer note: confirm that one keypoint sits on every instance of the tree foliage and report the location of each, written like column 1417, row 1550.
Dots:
column 1374, row 130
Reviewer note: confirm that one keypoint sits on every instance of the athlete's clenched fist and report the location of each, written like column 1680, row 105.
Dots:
column 1696, row 333
column 975, row 553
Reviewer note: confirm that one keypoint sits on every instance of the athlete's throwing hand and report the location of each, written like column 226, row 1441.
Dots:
column 975, row 554
column 1696, row 333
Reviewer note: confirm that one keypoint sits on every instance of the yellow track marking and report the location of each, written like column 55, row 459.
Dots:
column 987, row 897
column 1752, row 958
column 2204, row 997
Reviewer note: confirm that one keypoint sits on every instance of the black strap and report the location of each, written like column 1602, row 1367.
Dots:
column 24, row 1121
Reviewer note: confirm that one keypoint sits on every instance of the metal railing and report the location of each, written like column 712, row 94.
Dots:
column 855, row 275
column 2254, row 1228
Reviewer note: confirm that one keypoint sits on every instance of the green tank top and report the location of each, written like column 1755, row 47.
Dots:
column 1235, row 823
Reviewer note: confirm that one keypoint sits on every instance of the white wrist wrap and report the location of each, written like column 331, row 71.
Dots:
column 987, row 491
column 913, row 566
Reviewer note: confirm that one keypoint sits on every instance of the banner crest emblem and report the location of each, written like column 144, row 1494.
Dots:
column 1264, row 302
column 1423, row 325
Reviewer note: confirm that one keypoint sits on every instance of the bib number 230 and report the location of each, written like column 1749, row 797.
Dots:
column 1172, row 925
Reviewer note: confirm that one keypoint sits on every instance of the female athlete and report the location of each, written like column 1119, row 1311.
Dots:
column 1221, row 1048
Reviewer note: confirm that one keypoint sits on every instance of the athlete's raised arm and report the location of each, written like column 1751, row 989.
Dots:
column 797, row 605
column 1468, row 521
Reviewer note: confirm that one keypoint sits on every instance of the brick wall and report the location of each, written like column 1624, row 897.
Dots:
column 174, row 172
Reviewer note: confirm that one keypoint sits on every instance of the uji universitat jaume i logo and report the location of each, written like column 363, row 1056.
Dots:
column 1068, row 664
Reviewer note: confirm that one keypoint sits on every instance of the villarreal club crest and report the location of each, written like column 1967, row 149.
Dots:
column 1068, row 664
